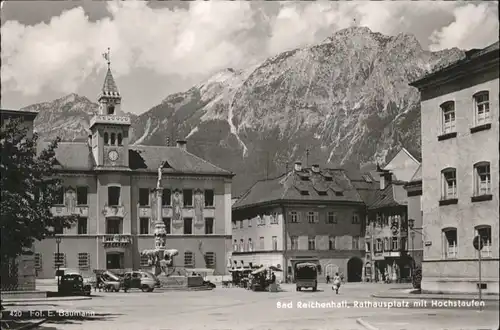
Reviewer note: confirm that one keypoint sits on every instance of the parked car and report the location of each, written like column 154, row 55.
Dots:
column 73, row 285
column 65, row 271
column 145, row 281
column 110, row 281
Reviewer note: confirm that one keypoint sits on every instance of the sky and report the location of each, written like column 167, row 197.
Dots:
column 53, row 48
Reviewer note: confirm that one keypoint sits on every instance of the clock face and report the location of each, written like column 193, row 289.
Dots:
column 113, row 155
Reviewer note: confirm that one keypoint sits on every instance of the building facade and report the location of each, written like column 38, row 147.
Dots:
column 19, row 274
column 416, row 237
column 460, row 173
column 387, row 234
column 306, row 214
column 109, row 183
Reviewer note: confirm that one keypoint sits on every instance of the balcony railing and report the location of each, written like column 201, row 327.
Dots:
column 117, row 240
column 63, row 211
column 117, row 211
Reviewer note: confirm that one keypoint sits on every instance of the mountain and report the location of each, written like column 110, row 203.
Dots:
column 346, row 99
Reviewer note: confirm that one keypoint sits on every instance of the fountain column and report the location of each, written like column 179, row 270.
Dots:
column 159, row 230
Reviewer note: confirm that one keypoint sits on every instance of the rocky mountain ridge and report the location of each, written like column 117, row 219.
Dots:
column 346, row 100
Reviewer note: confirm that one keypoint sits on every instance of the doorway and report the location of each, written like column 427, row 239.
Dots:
column 354, row 270
column 114, row 260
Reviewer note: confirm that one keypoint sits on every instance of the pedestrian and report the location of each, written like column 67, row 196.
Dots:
column 273, row 278
column 336, row 283
column 327, row 279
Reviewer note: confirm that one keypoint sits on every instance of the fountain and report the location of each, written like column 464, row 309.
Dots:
column 161, row 259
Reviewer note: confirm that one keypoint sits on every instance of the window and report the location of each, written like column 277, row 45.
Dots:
column 368, row 247
column 395, row 244
column 355, row 243
column 275, row 243
column 242, row 245
column 188, row 226
column 294, row 217
column 113, row 196
column 113, row 139
column 311, row 217
column 311, row 243
column 450, row 243
column 261, row 243
column 482, row 104
column 378, row 247
column 143, row 197
column 235, row 245
column 209, row 226
column 331, row 217
column 331, row 243
column 355, row 218
column 113, row 226
column 386, row 244
column 58, row 229
column 304, row 193
column 59, row 260
column 449, row 183
column 448, row 113
column 485, row 233
column 274, row 218
column 294, row 240
column 187, row 194
column 241, row 224
column 250, row 222
column 144, row 226
column 111, row 110
column 482, row 179
column 250, row 245
column 106, row 138
column 82, row 226
column 144, row 261
column 120, row 139
column 83, row 261
column 210, row 259
column 209, row 198
column 328, row 178
column 60, row 196
column 322, row 193
column 188, row 259
column 38, row 261
column 304, row 178
column 168, row 225
column 166, row 196
column 81, row 195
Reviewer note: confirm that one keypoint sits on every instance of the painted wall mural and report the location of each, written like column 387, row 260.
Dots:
column 177, row 204
column 199, row 205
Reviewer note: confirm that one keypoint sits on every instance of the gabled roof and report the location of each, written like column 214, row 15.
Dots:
column 288, row 187
column 77, row 156
column 393, row 195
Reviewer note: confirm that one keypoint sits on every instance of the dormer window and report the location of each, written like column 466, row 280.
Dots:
column 119, row 139
column 304, row 178
column 113, row 139
column 304, row 193
column 106, row 138
column 111, row 110
column 328, row 178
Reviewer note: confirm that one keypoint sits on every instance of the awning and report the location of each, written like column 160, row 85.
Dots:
column 260, row 270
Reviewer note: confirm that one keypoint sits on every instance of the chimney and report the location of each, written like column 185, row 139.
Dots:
column 315, row 168
column 385, row 179
column 89, row 140
column 181, row 144
column 298, row 166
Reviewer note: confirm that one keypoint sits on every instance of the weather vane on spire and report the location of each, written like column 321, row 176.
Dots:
column 107, row 57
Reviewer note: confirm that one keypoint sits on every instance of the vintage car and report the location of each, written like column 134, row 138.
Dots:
column 306, row 276
column 142, row 280
column 73, row 285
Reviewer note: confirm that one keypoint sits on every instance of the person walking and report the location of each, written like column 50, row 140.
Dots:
column 327, row 279
column 336, row 283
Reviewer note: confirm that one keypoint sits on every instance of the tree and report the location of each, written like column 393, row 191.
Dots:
column 29, row 187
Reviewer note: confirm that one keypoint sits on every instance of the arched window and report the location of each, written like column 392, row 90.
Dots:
column 482, row 179
column 106, row 138
column 449, row 183
column 482, row 107
column 111, row 110
column 113, row 139
column 450, row 243
column 448, row 117
column 379, row 246
column 119, row 139
column 484, row 231
column 250, row 245
column 188, row 259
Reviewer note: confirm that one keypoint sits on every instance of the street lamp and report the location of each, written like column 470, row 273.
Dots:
column 411, row 225
column 58, row 242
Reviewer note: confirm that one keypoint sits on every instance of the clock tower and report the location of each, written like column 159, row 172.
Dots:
column 109, row 128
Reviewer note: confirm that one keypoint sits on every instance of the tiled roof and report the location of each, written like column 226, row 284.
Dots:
column 393, row 195
column 109, row 87
column 77, row 156
column 289, row 187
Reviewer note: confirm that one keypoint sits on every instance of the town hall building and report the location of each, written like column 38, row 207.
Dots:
column 109, row 183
